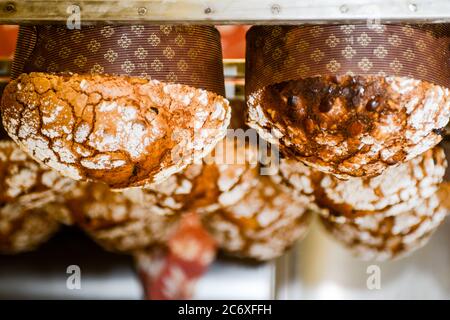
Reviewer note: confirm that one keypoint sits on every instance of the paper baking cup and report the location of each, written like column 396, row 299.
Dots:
column 189, row 55
column 281, row 53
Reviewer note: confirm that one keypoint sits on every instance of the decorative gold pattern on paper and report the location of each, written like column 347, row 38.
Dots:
column 283, row 53
column 186, row 54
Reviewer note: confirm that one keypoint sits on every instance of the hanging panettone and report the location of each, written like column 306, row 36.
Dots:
column 25, row 182
column 248, row 214
column 123, row 105
column 113, row 221
column 381, row 237
column 23, row 229
column 398, row 189
column 26, row 191
column 349, row 100
column 255, row 216
column 263, row 224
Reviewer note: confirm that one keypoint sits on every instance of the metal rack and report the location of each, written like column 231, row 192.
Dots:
column 224, row 11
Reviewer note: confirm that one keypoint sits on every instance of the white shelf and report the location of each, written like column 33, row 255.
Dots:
column 226, row 11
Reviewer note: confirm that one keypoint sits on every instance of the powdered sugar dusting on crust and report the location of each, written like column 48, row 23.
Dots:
column 23, row 229
column 412, row 109
column 150, row 130
column 115, row 222
column 26, row 184
column 380, row 237
column 398, row 189
column 256, row 217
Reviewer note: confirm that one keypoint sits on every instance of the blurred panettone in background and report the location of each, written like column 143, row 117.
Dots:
column 25, row 182
column 26, row 191
column 23, row 229
column 112, row 220
column 255, row 217
column 398, row 189
column 390, row 215
column 381, row 237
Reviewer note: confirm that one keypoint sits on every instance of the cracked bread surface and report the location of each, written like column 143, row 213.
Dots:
column 113, row 221
column 25, row 182
column 351, row 126
column 396, row 190
column 263, row 224
column 23, row 229
column 123, row 131
column 380, row 237
column 255, row 216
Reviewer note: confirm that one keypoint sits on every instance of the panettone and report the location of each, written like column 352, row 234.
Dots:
column 23, row 229
column 26, row 183
column 349, row 100
column 381, row 237
column 113, row 221
column 398, row 189
column 124, row 131
column 123, row 105
column 256, row 216
column 26, row 191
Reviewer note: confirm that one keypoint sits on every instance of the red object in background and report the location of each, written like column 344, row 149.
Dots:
column 8, row 38
column 233, row 41
column 170, row 273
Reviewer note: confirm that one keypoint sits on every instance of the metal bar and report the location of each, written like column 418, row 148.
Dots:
column 225, row 11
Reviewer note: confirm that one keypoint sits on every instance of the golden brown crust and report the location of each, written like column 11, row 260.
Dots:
column 124, row 131
column 249, row 215
column 263, row 224
column 398, row 189
column 23, row 229
column 25, row 182
column 255, row 216
column 381, row 237
column 26, row 192
column 113, row 221
column 351, row 126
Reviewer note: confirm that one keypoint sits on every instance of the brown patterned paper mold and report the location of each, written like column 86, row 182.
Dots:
column 381, row 237
column 350, row 100
column 398, row 189
column 82, row 102
column 26, row 190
